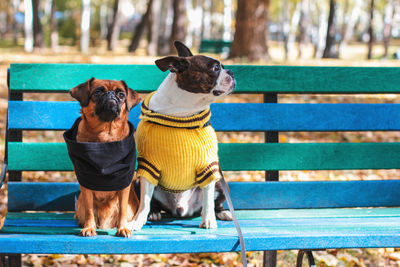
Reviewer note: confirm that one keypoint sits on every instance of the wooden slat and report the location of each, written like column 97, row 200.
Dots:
column 183, row 236
column 250, row 79
column 239, row 156
column 254, row 195
column 34, row 115
column 257, row 214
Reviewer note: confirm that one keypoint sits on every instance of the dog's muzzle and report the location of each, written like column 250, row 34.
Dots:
column 108, row 107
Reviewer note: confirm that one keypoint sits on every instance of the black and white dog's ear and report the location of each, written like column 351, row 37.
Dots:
column 173, row 64
column 183, row 50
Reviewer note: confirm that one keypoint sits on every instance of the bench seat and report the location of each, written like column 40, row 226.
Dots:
column 296, row 224
column 273, row 215
column 263, row 229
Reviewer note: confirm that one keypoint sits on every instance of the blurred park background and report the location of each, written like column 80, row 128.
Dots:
column 284, row 32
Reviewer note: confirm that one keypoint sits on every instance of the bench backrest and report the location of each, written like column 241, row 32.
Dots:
column 261, row 117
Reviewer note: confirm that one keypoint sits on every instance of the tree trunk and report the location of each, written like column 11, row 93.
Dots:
column 321, row 31
column 285, row 27
column 53, row 27
column 178, row 26
column 329, row 51
column 15, row 5
column 294, row 24
column 165, row 28
column 370, row 29
column 250, row 39
column 351, row 22
column 85, row 26
column 37, row 26
column 114, row 27
column 304, row 22
column 140, row 28
column 154, row 28
column 103, row 21
column 387, row 29
column 227, row 36
column 28, row 25
column 206, row 23
column 195, row 14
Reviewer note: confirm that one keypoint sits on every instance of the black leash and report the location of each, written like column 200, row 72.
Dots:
column 230, row 205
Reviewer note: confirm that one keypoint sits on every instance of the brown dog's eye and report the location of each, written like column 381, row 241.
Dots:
column 121, row 95
column 98, row 91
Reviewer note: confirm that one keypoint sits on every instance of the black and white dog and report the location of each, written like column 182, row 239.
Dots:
column 193, row 84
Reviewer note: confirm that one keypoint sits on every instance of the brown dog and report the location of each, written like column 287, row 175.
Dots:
column 105, row 106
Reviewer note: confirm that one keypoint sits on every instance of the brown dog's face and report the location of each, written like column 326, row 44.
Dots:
column 107, row 99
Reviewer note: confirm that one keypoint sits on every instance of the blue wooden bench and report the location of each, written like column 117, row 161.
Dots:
column 273, row 215
column 214, row 46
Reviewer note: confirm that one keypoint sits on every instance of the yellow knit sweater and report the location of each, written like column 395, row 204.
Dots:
column 176, row 153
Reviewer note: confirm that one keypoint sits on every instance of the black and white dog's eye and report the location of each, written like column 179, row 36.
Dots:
column 216, row 67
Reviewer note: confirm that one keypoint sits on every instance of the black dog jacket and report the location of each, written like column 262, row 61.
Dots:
column 102, row 166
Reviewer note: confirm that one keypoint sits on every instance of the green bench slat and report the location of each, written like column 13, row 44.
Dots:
column 38, row 115
column 239, row 156
column 181, row 236
column 271, row 195
column 250, row 79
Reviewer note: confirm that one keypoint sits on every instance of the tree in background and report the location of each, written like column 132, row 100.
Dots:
column 139, row 30
column 165, row 28
column 114, row 27
column 178, row 25
column 37, row 26
column 371, row 29
column 304, row 26
column 85, row 26
column 53, row 27
column 28, row 26
column 330, row 48
column 349, row 22
column 250, row 39
column 153, row 29
column 387, row 29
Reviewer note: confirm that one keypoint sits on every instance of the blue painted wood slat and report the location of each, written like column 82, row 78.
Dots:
column 256, row 239
column 233, row 117
column 271, row 195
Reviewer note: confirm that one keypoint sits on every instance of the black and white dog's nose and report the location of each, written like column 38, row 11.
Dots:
column 230, row 73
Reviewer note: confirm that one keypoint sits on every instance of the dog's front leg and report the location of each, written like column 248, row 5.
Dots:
column 146, row 193
column 123, row 198
column 89, row 227
column 208, row 213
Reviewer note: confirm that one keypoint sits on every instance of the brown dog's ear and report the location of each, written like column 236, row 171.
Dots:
column 183, row 50
column 82, row 92
column 132, row 98
column 174, row 64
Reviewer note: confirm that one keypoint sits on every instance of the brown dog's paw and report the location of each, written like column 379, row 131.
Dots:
column 123, row 232
column 88, row 231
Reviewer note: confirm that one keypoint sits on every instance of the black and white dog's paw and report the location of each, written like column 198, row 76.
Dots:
column 155, row 216
column 224, row 215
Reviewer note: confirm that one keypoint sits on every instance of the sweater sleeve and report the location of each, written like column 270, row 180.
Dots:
column 147, row 170
column 208, row 174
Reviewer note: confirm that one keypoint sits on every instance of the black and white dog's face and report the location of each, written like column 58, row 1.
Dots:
column 198, row 74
